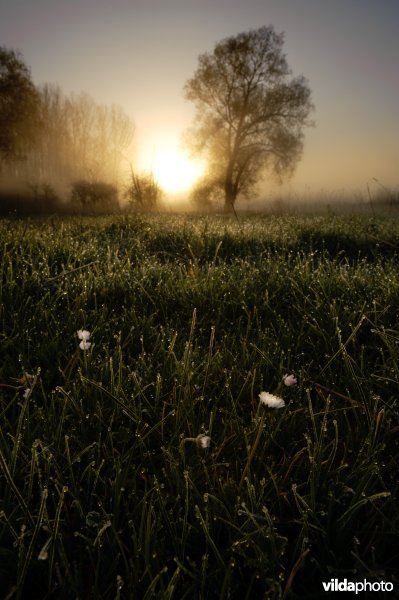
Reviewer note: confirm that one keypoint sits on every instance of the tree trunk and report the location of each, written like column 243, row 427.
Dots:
column 228, row 205
column 230, row 192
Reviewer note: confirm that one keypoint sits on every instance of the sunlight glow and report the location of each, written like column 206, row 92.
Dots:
column 174, row 171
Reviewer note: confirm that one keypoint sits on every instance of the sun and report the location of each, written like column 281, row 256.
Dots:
column 175, row 172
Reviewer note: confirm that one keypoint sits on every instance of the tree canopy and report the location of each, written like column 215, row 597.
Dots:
column 250, row 111
column 19, row 106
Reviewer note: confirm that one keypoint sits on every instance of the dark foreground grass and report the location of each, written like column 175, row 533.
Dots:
column 102, row 493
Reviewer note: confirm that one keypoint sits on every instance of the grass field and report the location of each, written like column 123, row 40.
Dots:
column 110, row 487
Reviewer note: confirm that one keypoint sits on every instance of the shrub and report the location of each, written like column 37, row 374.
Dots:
column 97, row 196
column 143, row 192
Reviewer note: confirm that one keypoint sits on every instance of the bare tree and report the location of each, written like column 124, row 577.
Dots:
column 79, row 140
column 50, row 160
column 250, row 114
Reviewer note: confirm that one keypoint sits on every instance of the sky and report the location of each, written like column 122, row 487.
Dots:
column 140, row 53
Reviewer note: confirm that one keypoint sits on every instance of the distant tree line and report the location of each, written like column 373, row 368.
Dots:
column 59, row 144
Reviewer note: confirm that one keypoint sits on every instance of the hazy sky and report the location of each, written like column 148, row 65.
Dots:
column 139, row 53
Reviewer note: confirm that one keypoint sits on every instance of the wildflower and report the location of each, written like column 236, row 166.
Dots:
column 84, row 336
column 271, row 400
column 289, row 380
column 84, row 345
column 203, row 441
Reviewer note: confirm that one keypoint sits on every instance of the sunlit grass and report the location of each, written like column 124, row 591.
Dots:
column 144, row 464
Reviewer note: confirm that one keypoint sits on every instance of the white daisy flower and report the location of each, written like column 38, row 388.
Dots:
column 203, row 441
column 271, row 400
column 84, row 345
column 290, row 380
column 84, row 336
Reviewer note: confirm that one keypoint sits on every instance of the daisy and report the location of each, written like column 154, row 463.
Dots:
column 271, row 400
column 290, row 379
column 84, row 345
column 203, row 441
column 84, row 336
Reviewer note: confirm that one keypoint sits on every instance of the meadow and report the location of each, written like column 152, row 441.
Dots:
column 137, row 461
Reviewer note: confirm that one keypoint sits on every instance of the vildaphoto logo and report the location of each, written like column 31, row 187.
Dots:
column 335, row 585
